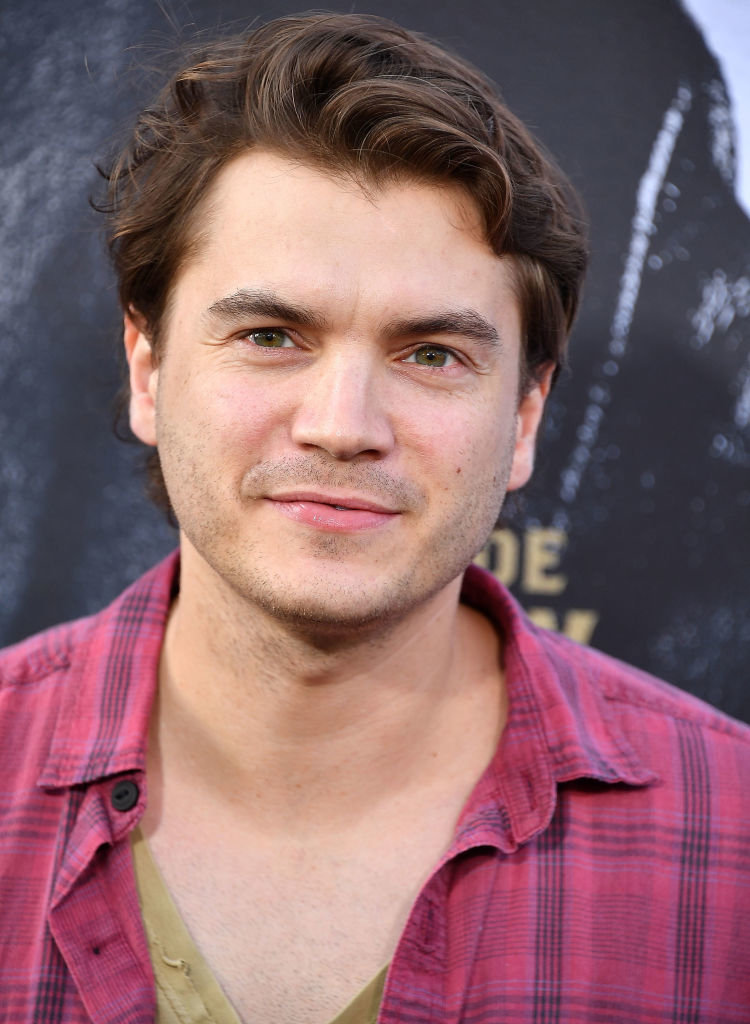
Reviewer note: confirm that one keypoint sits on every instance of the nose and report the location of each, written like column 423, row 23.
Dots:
column 341, row 409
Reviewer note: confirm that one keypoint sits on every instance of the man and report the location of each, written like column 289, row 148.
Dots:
column 320, row 764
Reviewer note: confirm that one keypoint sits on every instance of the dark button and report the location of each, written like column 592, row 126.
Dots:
column 124, row 795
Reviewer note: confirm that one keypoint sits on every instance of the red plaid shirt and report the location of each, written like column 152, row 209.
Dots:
column 600, row 871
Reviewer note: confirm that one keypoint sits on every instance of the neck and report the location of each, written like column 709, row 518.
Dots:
column 294, row 725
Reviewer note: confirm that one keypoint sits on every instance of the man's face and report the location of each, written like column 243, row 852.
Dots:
column 336, row 403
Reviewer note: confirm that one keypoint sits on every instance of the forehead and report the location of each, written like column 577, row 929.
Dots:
column 278, row 223
column 266, row 172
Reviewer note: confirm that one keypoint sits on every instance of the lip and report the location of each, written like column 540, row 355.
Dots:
column 354, row 503
column 333, row 513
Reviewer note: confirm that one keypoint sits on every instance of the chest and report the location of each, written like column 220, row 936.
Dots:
column 294, row 936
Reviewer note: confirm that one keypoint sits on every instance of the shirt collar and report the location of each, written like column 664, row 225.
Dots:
column 112, row 664
column 560, row 727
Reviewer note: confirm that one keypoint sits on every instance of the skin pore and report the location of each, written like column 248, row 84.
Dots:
column 337, row 415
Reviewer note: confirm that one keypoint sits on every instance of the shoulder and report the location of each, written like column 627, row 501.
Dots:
column 697, row 755
column 41, row 681
column 598, row 699
column 138, row 612
column 74, row 699
column 45, row 654
column 90, row 658
column 38, row 683
column 628, row 687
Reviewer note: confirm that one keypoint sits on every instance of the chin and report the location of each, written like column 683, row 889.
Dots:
column 330, row 611
column 333, row 592
column 323, row 608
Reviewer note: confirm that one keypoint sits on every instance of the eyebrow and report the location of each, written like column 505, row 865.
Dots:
column 248, row 302
column 258, row 302
column 464, row 322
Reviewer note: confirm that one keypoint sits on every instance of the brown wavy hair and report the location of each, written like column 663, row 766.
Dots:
column 352, row 95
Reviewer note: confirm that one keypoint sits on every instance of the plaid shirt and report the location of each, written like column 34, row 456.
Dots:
column 599, row 872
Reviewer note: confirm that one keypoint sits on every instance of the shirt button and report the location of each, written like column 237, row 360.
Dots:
column 124, row 795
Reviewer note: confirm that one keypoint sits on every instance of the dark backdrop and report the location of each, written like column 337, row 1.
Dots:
column 633, row 535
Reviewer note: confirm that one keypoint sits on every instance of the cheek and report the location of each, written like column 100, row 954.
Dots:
column 236, row 416
column 463, row 448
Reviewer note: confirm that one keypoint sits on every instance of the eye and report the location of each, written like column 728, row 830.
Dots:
column 431, row 355
column 270, row 337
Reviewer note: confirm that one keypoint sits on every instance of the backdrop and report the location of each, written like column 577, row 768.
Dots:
column 633, row 535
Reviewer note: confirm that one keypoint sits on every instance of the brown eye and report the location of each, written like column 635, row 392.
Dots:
column 270, row 337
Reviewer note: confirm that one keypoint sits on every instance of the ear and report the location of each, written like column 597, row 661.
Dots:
column 144, row 376
column 528, row 418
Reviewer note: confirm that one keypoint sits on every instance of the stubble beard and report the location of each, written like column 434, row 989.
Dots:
column 326, row 610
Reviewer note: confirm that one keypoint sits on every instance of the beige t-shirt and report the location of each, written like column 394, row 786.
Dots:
column 186, row 990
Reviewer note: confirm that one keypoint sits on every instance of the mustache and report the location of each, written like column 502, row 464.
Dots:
column 360, row 478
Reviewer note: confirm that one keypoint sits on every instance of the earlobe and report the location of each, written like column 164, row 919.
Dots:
column 143, row 375
column 528, row 419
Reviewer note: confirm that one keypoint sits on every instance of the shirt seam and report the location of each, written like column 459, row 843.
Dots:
column 28, row 674
column 727, row 728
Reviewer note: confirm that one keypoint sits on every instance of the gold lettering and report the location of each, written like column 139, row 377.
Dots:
column 542, row 552
column 484, row 558
column 501, row 555
column 579, row 623
column 544, row 617
column 508, row 551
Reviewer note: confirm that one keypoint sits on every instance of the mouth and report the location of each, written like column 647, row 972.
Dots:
column 333, row 513
column 340, row 502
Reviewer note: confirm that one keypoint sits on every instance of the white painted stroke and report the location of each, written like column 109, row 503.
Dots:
column 647, row 195
column 725, row 26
